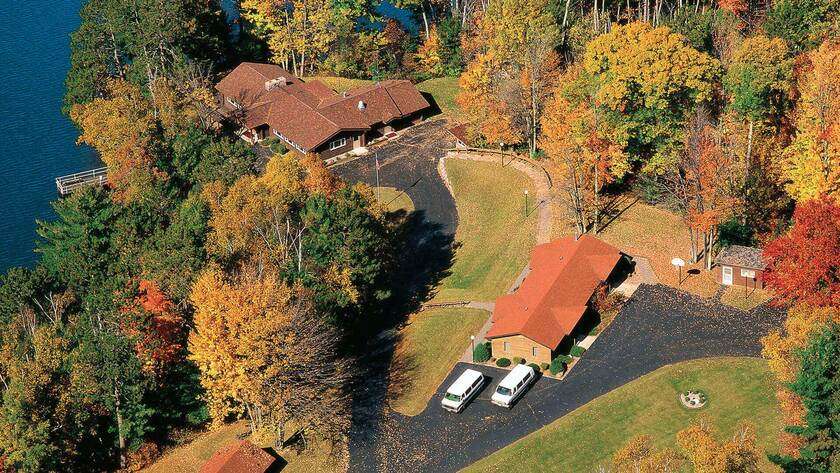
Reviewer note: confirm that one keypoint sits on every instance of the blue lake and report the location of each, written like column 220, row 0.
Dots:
column 37, row 143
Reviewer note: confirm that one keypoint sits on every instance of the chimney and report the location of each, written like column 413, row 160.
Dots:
column 362, row 106
column 275, row 83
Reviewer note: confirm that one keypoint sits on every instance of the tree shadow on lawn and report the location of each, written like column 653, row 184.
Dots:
column 423, row 258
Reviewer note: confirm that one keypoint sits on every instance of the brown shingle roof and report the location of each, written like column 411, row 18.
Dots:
column 743, row 256
column 239, row 457
column 554, row 296
column 310, row 113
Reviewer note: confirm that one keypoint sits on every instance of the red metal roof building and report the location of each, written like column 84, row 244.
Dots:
column 239, row 457
column 564, row 274
column 311, row 117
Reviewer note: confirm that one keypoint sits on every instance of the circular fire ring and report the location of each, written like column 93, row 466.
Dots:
column 693, row 399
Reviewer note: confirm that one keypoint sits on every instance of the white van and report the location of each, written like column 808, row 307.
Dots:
column 462, row 390
column 513, row 385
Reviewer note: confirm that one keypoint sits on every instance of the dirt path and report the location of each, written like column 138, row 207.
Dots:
column 534, row 171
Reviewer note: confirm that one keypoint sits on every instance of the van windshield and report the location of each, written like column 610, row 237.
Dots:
column 503, row 391
column 452, row 397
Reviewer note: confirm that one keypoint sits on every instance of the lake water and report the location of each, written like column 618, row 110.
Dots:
column 37, row 143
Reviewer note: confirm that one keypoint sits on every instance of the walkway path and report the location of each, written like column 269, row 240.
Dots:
column 658, row 326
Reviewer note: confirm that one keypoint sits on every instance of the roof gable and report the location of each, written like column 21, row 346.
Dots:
column 554, row 295
column 239, row 457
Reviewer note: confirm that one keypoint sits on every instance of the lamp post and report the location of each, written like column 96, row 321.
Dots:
column 472, row 343
column 678, row 263
column 526, row 202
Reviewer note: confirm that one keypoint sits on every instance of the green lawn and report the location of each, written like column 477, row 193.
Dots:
column 495, row 236
column 394, row 199
column 738, row 388
column 432, row 343
column 444, row 90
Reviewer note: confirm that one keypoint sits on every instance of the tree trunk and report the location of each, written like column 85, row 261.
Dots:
column 120, row 433
column 749, row 145
column 566, row 13
column 425, row 19
column 692, row 234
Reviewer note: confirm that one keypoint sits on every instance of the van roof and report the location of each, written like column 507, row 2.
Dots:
column 467, row 378
column 515, row 376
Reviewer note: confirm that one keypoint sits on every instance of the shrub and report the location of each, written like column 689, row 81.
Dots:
column 517, row 360
column 543, row 366
column 577, row 351
column 481, row 352
column 557, row 366
column 535, row 367
column 502, row 362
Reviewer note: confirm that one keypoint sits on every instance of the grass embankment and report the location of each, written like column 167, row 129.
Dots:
column 737, row 388
column 433, row 342
column 745, row 300
column 190, row 457
column 494, row 234
column 393, row 199
column 443, row 90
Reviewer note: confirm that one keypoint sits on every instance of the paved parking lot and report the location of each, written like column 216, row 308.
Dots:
column 658, row 326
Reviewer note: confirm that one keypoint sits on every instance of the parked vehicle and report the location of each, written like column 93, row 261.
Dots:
column 513, row 385
column 462, row 390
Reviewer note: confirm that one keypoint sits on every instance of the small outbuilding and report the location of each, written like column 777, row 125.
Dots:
column 738, row 265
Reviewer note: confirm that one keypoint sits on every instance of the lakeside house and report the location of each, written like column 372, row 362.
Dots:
column 740, row 266
column 310, row 117
column 532, row 322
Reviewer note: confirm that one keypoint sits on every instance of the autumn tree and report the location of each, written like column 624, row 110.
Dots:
column 266, row 354
column 811, row 164
column 738, row 454
column 818, row 385
column 512, row 76
column 757, row 81
column 813, row 242
column 157, row 328
column 586, row 150
column 781, row 348
column 639, row 456
column 627, row 64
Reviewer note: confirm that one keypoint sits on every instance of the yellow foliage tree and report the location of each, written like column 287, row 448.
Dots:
column 739, row 454
column 119, row 127
column 639, row 456
column 428, row 54
column 264, row 353
column 651, row 78
column 811, row 163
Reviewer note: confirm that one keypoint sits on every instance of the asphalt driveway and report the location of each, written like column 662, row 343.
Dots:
column 658, row 326
column 409, row 163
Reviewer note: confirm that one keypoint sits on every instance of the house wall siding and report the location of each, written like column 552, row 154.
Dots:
column 325, row 152
column 737, row 279
column 522, row 347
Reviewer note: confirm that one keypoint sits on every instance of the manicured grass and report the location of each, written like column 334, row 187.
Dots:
column 432, row 343
column 496, row 237
column 340, row 84
column 737, row 388
column 191, row 456
column 394, row 200
column 444, row 90
column 735, row 296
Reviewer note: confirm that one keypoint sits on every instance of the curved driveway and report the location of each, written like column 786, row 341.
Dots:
column 409, row 163
column 658, row 326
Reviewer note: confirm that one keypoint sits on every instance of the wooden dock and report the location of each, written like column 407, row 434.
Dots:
column 72, row 182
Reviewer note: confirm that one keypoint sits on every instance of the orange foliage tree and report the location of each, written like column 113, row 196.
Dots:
column 157, row 327
column 803, row 265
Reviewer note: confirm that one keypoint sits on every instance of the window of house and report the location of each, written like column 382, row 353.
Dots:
column 506, row 346
column 338, row 143
column 533, row 351
column 747, row 273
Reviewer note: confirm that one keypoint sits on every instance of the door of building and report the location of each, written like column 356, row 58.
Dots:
column 726, row 275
